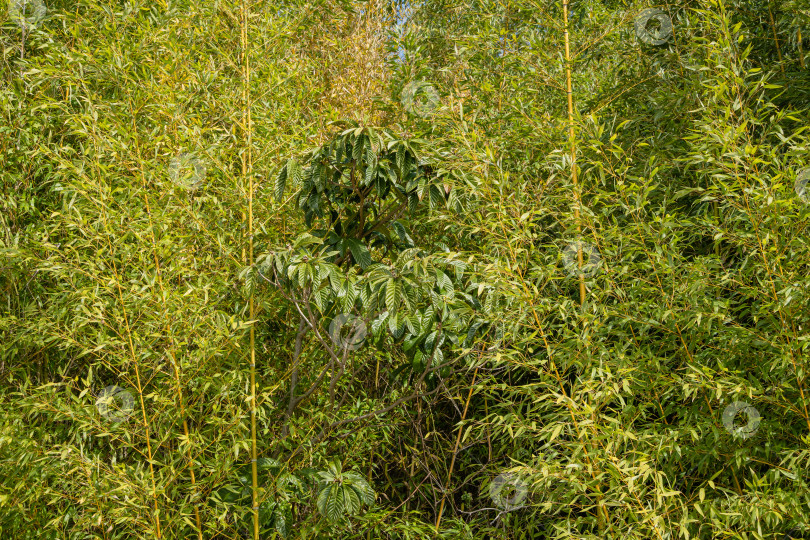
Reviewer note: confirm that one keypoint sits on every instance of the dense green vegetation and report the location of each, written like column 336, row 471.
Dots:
column 344, row 269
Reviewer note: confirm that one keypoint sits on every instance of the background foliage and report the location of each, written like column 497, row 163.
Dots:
column 411, row 168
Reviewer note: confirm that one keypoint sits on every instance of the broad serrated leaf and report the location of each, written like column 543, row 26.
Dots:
column 280, row 524
column 363, row 488
column 443, row 281
column 359, row 252
column 371, row 171
column 351, row 500
column 357, row 149
column 402, row 233
column 267, row 464
column 392, row 295
column 436, row 197
column 323, row 500
column 295, row 172
column 281, row 183
column 401, row 160
column 334, row 504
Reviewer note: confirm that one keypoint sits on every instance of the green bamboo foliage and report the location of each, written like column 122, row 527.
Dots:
column 645, row 114
column 130, row 302
column 227, row 314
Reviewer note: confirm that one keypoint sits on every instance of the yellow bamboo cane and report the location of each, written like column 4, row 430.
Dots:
column 602, row 511
column 247, row 165
column 572, row 140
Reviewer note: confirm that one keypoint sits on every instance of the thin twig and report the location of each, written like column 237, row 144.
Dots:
column 455, row 449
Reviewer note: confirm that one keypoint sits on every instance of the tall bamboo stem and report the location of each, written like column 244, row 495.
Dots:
column 172, row 355
column 602, row 510
column 177, row 379
column 572, row 140
column 247, row 166
column 775, row 38
column 140, row 396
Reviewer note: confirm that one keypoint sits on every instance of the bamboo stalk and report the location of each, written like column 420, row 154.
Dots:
column 572, row 140
column 455, row 449
column 775, row 38
column 801, row 49
column 178, row 382
column 140, row 395
column 602, row 510
column 247, row 166
column 675, row 39
column 168, row 333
